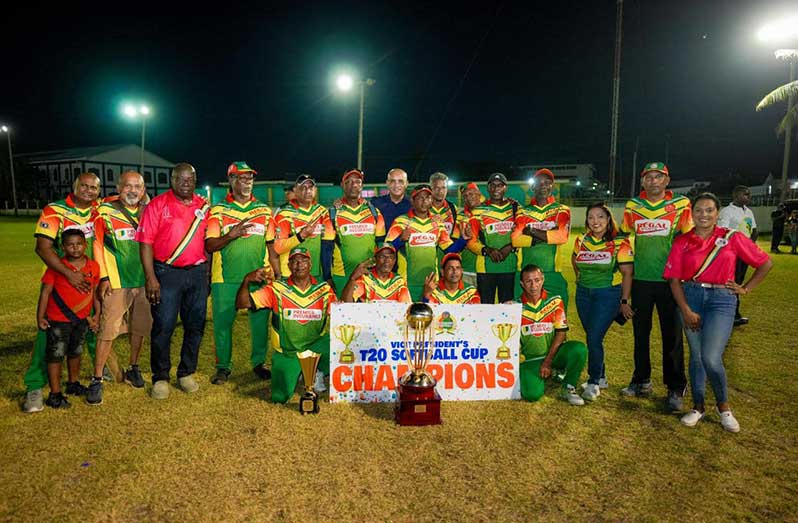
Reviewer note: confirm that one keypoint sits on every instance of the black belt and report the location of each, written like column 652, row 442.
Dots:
column 183, row 268
column 705, row 285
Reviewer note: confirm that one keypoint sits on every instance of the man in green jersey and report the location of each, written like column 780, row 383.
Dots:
column 240, row 235
column 472, row 198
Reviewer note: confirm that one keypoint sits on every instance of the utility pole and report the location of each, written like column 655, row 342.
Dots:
column 616, row 86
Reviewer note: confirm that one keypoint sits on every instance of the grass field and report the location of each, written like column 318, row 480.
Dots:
column 225, row 453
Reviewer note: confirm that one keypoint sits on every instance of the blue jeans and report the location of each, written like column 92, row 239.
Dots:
column 183, row 292
column 597, row 309
column 716, row 308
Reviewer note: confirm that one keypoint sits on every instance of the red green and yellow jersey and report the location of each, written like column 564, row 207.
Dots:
column 357, row 232
column 369, row 288
column 62, row 215
column 116, row 249
column 462, row 295
column 246, row 253
column 418, row 256
column 445, row 216
column 289, row 220
column 539, row 322
column 491, row 226
column 597, row 260
column 653, row 226
column 553, row 218
column 300, row 317
column 469, row 259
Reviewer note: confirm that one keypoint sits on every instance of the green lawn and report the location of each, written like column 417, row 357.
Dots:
column 225, row 453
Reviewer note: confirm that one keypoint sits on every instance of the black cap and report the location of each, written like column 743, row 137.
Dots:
column 497, row 177
column 302, row 178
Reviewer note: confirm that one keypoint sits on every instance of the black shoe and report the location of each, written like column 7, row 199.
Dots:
column 57, row 401
column 74, row 388
column 220, row 378
column 94, row 396
column 776, row 250
column 133, row 376
column 675, row 402
column 262, row 372
column 740, row 321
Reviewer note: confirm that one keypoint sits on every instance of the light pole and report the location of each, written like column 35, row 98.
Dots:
column 143, row 112
column 6, row 130
column 345, row 83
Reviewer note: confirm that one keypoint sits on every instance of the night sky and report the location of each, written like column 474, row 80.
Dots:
column 459, row 89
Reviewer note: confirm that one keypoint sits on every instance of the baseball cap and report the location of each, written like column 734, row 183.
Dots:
column 302, row 178
column 353, row 172
column 385, row 245
column 450, row 256
column 497, row 177
column 468, row 186
column 421, row 188
column 299, row 251
column 240, row 168
column 655, row 167
column 544, row 172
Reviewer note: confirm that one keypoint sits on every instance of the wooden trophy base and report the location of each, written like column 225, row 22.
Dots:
column 417, row 406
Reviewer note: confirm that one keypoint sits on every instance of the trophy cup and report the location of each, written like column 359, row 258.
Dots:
column 418, row 401
column 503, row 331
column 346, row 334
column 309, row 362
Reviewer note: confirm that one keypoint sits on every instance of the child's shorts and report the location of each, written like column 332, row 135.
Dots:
column 64, row 338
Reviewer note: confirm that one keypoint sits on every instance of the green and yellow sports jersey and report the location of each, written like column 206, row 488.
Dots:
column 357, row 232
column 300, row 317
column 462, row 295
column 653, row 226
column 539, row 322
column 246, row 253
column 597, row 260
column 117, row 251
column 369, row 288
column 552, row 217
column 62, row 215
column 289, row 220
column 418, row 256
column 469, row 259
column 491, row 226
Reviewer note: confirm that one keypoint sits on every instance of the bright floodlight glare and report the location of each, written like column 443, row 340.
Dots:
column 578, row 183
column 144, row 110
column 449, row 183
column 4, row 129
column 129, row 110
column 783, row 30
column 344, row 82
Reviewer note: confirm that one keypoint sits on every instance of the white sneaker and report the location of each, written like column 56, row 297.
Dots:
column 34, row 401
column 602, row 384
column 319, row 385
column 592, row 391
column 188, row 384
column 160, row 390
column 728, row 421
column 569, row 394
column 692, row 418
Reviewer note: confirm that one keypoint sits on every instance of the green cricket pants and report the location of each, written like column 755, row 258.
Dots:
column 286, row 370
column 223, row 305
column 572, row 356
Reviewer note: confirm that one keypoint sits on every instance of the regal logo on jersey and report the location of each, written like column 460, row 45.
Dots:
column 652, row 227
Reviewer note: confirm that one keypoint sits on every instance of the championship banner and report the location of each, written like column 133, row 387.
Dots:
column 475, row 356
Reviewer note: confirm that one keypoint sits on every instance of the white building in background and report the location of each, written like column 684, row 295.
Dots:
column 584, row 173
column 688, row 186
column 58, row 169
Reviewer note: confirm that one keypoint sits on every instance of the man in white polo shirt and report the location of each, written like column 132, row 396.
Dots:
column 739, row 217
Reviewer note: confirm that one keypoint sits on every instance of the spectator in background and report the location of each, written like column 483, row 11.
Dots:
column 777, row 217
column 737, row 216
column 792, row 230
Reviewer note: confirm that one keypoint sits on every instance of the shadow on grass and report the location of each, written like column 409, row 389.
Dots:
column 381, row 411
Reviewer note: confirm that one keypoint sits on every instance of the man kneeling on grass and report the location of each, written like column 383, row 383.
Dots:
column 300, row 317
column 543, row 345
column 63, row 313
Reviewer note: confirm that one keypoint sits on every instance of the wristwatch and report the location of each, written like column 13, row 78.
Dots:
column 624, row 302
column 484, row 251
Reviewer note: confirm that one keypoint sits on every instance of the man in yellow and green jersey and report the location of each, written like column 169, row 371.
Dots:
column 442, row 209
column 450, row 289
column 540, row 229
column 359, row 228
column 240, row 235
column 375, row 282
column 472, row 198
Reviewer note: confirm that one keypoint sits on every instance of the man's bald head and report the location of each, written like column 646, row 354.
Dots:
column 86, row 189
column 184, row 180
column 397, row 183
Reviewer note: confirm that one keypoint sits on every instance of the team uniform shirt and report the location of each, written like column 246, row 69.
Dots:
column 469, row 259
column 357, row 232
column 175, row 230
column 369, row 288
column 462, row 295
column 737, row 218
column 80, row 303
column 654, row 226
column 598, row 260
column 116, row 249
column 715, row 257
column 300, row 317
column 418, row 256
column 549, row 216
column 291, row 219
column 445, row 216
column 245, row 253
column 539, row 323
column 62, row 215
column 492, row 225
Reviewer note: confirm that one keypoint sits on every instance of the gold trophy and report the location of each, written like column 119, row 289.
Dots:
column 419, row 402
column 504, row 332
column 346, row 334
column 309, row 362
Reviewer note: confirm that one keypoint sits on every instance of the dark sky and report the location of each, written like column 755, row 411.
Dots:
column 512, row 83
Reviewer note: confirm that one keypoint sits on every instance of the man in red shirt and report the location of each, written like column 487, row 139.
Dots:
column 172, row 238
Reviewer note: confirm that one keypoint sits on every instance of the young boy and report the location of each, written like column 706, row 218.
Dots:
column 64, row 313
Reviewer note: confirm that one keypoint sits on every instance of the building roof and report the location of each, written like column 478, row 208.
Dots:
column 119, row 153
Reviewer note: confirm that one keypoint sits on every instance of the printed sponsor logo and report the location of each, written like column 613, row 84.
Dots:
column 423, row 239
column 721, row 242
column 125, row 234
column 542, row 226
column 599, row 257
column 302, row 315
column 87, row 228
column 500, row 227
column 448, row 226
column 255, row 229
column 357, row 229
column 652, row 227
column 537, row 329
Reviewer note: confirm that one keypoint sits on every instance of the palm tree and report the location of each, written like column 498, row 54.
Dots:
column 783, row 94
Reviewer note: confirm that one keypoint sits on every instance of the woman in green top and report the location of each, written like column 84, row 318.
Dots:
column 603, row 267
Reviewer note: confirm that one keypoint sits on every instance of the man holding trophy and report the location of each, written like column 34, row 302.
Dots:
column 300, row 316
